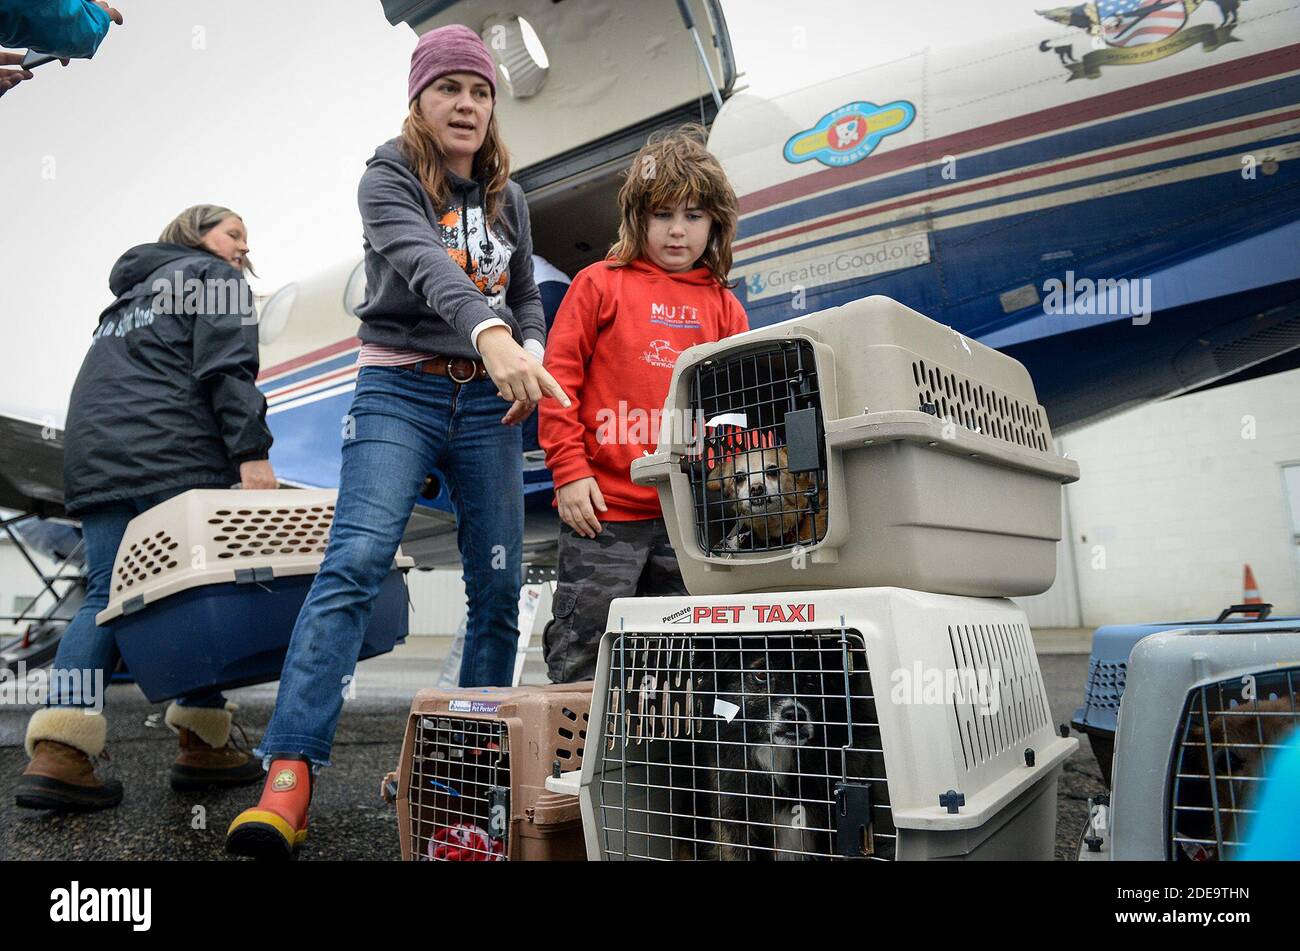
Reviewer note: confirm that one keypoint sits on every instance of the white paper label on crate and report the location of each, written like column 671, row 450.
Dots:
column 473, row 706
column 845, row 260
column 725, row 709
column 728, row 419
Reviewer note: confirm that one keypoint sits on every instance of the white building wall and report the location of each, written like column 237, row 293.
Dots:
column 1058, row 606
column 1175, row 497
column 438, row 602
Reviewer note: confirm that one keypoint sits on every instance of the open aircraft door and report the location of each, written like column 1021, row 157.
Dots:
column 581, row 83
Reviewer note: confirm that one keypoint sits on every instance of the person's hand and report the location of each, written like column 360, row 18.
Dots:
column 257, row 474
column 111, row 11
column 518, row 412
column 517, row 373
column 578, row 503
column 12, row 77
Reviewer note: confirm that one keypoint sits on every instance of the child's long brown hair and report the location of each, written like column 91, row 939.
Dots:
column 671, row 168
column 425, row 156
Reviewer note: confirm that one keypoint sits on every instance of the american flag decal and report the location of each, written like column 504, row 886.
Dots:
column 1127, row 23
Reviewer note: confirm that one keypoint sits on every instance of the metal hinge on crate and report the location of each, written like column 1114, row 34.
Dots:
column 853, row 820
column 251, row 575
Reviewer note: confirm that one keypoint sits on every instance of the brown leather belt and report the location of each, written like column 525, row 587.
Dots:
column 458, row 369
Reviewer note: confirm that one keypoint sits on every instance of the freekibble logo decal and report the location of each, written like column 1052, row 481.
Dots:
column 76, row 904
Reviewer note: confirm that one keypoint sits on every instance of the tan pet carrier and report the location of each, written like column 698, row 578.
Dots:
column 207, row 587
column 471, row 784
column 865, row 445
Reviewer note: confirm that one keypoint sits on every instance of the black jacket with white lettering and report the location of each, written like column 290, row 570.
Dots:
column 167, row 395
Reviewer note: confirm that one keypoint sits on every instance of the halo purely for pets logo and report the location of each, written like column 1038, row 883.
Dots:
column 1136, row 32
column 849, row 133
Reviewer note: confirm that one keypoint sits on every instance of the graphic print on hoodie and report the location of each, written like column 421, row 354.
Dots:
column 613, row 347
column 489, row 270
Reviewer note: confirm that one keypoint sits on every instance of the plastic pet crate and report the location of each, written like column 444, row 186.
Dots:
column 871, row 723
column 207, row 586
column 1202, row 715
column 471, row 784
column 1108, row 670
column 866, row 445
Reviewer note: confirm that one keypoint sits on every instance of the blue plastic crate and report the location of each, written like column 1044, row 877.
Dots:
column 1108, row 672
column 1108, row 665
column 221, row 636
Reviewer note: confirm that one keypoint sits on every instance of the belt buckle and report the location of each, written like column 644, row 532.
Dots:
column 473, row 372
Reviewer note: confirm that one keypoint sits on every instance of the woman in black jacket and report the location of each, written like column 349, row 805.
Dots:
column 166, row 401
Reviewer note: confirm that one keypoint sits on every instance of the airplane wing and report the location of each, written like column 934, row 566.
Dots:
column 31, row 466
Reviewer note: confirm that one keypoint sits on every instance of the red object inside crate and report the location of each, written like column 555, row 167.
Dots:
column 464, row 843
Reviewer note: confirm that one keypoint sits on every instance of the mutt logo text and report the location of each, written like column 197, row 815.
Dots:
column 76, row 904
column 679, row 315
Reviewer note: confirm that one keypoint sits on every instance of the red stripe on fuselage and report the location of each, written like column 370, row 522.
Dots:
column 921, row 197
column 309, row 357
column 276, row 394
column 1196, row 82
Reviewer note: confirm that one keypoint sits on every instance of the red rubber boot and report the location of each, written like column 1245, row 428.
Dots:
column 277, row 825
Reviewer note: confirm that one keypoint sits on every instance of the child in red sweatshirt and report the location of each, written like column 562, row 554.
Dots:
column 662, row 289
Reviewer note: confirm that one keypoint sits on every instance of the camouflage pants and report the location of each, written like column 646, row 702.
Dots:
column 627, row 559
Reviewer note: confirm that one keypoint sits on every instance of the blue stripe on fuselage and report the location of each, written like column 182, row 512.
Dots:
column 938, row 216
column 307, row 373
column 1236, row 104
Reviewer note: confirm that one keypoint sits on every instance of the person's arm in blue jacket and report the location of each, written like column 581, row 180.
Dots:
column 66, row 28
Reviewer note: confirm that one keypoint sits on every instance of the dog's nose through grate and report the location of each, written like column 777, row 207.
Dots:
column 758, row 469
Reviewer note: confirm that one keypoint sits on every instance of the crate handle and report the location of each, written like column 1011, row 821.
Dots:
column 1262, row 610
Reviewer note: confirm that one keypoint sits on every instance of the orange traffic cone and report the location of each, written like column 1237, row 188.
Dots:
column 1249, row 589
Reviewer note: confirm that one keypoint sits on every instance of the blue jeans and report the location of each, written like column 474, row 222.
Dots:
column 84, row 647
column 407, row 423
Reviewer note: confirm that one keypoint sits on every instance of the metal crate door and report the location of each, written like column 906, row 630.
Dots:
column 758, row 475
column 1228, row 734
column 752, row 747
column 460, row 790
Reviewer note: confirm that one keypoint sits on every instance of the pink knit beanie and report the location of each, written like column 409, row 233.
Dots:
column 450, row 49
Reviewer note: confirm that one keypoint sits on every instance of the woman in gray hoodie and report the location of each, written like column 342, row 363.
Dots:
column 452, row 326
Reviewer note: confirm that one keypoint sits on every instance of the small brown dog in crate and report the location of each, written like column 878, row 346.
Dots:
column 772, row 506
column 763, row 783
column 1238, row 738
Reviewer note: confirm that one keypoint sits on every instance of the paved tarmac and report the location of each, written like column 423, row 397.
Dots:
column 349, row 821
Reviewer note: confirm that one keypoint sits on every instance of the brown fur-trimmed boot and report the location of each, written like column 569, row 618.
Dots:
column 209, row 756
column 64, row 743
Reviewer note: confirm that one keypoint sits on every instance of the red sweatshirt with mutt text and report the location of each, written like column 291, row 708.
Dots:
column 613, row 346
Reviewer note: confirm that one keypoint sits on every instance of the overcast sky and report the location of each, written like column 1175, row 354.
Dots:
column 268, row 108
